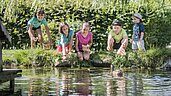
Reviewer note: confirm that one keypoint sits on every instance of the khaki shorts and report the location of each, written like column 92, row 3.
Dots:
column 138, row 45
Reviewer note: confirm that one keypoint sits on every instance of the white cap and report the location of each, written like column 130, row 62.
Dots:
column 138, row 15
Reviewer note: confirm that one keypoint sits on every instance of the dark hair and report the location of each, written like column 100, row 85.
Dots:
column 116, row 22
column 39, row 12
column 61, row 25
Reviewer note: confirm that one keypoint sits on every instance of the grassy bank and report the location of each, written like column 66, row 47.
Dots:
column 152, row 58
column 29, row 57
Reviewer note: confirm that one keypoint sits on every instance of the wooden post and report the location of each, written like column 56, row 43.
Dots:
column 12, row 82
column 3, row 36
column 1, row 56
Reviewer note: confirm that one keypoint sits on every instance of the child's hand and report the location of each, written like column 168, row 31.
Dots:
column 85, row 48
column 79, row 53
column 88, row 46
column 64, row 57
column 130, row 40
column 121, row 52
column 66, row 50
column 108, row 48
column 69, row 52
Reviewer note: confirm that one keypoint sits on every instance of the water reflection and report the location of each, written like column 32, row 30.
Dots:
column 116, row 86
column 82, row 83
column 65, row 84
column 38, row 87
column 90, row 82
column 75, row 82
column 135, row 84
column 8, row 93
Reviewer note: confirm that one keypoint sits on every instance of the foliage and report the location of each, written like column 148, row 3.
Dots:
column 119, row 61
column 152, row 58
column 32, row 57
column 21, row 57
column 100, row 13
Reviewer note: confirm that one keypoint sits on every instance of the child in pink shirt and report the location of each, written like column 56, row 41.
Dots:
column 84, row 39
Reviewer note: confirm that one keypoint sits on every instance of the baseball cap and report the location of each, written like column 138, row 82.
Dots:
column 116, row 22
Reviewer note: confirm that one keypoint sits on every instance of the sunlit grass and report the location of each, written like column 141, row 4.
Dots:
column 152, row 58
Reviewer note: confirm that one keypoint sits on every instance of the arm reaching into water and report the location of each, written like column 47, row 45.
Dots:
column 121, row 50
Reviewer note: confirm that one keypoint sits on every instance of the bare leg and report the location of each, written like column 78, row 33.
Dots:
column 86, row 55
column 32, row 38
column 80, row 55
column 40, row 37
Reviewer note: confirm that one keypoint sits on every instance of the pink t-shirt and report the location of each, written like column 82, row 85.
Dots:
column 83, row 40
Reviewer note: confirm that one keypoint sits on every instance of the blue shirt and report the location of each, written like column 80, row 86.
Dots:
column 137, row 29
column 36, row 23
column 65, row 39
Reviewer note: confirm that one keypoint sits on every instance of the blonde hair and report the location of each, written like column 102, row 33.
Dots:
column 86, row 24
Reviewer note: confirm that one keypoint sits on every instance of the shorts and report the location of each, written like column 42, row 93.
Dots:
column 138, row 45
column 59, row 48
column 36, row 28
column 117, row 45
column 33, row 28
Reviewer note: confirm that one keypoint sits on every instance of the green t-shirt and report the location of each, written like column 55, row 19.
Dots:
column 118, row 37
column 64, row 39
column 36, row 23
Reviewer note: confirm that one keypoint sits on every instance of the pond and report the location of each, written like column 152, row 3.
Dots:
column 90, row 82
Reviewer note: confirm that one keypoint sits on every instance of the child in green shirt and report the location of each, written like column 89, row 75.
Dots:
column 117, row 36
column 34, row 25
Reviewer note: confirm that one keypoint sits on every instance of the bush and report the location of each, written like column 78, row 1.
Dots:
column 100, row 13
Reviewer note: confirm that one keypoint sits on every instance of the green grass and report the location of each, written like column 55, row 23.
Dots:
column 152, row 58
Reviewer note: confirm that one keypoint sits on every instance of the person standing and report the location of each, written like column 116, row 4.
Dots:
column 138, row 33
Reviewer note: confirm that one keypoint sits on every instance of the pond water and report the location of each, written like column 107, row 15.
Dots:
column 90, row 82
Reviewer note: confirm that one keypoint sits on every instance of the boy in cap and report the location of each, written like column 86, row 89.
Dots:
column 138, row 33
column 117, row 38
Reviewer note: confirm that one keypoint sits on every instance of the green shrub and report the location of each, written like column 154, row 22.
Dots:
column 100, row 13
